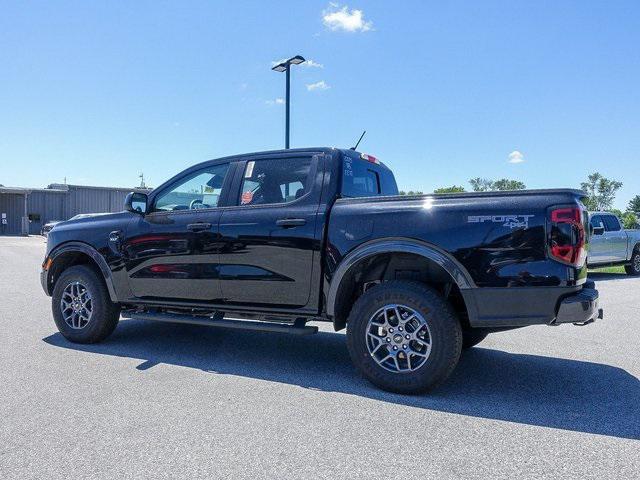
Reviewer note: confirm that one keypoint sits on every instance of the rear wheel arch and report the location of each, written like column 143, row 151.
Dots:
column 78, row 253
column 394, row 259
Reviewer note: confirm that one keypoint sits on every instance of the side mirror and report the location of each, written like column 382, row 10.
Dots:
column 136, row 202
column 599, row 230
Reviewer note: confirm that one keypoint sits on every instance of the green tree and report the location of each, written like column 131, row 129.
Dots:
column 452, row 189
column 601, row 192
column 481, row 184
column 634, row 205
column 506, row 184
column 630, row 220
column 410, row 192
column 485, row 185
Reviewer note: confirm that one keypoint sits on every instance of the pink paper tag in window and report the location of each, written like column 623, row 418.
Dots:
column 246, row 197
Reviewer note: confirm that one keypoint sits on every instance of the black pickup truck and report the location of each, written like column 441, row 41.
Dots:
column 272, row 240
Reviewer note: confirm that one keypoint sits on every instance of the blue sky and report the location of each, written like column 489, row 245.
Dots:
column 101, row 91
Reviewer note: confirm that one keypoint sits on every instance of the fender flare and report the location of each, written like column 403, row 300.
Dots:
column 92, row 253
column 397, row 245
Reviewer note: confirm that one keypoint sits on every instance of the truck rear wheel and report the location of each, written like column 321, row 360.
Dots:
column 634, row 267
column 404, row 337
column 81, row 306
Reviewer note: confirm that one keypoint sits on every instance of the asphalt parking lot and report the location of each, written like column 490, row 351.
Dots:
column 165, row 401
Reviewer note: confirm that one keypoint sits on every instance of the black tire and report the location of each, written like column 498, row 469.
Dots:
column 633, row 268
column 472, row 337
column 444, row 329
column 104, row 313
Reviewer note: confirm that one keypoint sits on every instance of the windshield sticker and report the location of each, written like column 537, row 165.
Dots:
column 348, row 171
column 247, row 197
column 249, row 172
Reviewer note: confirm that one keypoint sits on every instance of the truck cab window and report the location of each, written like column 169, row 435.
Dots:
column 611, row 223
column 361, row 178
column 596, row 221
column 279, row 180
column 197, row 191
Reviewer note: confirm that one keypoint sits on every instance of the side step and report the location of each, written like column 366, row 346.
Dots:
column 298, row 328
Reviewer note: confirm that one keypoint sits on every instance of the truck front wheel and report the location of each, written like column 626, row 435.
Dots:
column 81, row 306
column 634, row 267
column 404, row 337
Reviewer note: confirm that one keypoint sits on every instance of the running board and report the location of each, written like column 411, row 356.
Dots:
column 298, row 328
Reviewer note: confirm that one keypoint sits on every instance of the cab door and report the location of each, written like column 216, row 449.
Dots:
column 616, row 237
column 171, row 253
column 269, row 235
column 599, row 244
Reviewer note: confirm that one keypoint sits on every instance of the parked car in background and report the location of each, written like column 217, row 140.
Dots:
column 46, row 228
column 613, row 245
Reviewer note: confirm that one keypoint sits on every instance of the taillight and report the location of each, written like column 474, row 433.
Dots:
column 567, row 242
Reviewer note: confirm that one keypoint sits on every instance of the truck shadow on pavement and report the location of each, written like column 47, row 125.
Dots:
column 529, row 389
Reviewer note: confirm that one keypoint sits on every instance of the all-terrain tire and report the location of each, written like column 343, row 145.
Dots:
column 633, row 268
column 104, row 313
column 444, row 331
column 472, row 337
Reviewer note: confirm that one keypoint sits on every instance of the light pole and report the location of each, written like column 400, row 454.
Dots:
column 286, row 67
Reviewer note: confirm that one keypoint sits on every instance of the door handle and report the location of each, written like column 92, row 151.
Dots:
column 198, row 227
column 291, row 222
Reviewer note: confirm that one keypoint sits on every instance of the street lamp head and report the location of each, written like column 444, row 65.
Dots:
column 297, row 60
column 282, row 66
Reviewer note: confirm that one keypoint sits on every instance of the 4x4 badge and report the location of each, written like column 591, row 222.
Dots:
column 511, row 221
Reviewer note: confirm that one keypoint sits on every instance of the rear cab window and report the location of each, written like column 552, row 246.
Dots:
column 362, row 177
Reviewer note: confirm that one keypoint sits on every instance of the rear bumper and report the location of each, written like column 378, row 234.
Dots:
column 581, row 308
column 522, row 306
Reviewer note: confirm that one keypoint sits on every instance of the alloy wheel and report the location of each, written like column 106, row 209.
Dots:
column 398, row 338
column 76, row 305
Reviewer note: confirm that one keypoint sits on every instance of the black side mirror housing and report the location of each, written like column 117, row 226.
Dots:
column 136, row 202
column 598, row 230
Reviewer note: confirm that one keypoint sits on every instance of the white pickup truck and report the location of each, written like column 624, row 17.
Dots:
column 613, row 245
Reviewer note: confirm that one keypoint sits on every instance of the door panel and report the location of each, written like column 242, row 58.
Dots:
column 598, row 245
column 269, row 242
column 617, row 238
column 166, row 259
column 172, row 252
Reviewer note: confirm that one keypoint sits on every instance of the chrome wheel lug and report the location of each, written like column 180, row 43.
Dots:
column 404, row 346
column 388, row 339
column 391, row 330
column 395, row 347
column 400, row 329
column 407, row 337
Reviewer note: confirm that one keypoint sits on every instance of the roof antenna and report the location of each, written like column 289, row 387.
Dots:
column 359, row 140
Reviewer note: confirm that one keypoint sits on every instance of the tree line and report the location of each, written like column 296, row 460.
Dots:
column 601, row 193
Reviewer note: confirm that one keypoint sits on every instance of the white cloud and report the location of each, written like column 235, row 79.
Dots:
column 311, row 64
column 277, row 101
column 341, row 18
column 321, row 85
column 516, row 157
